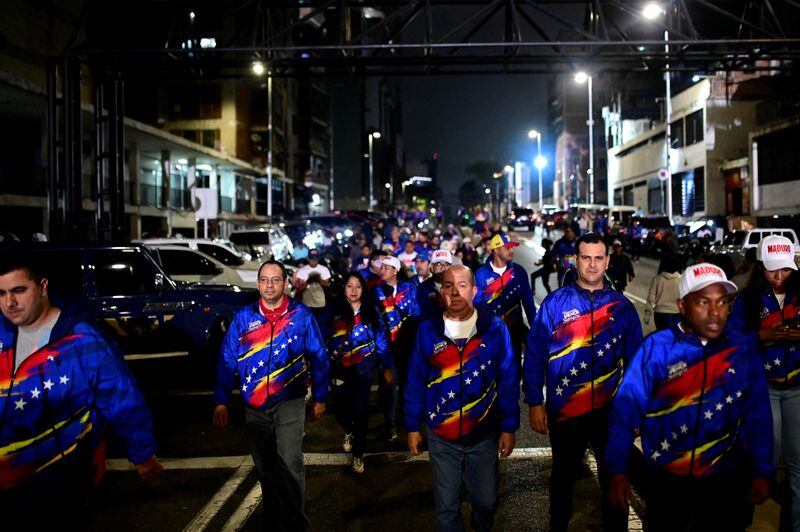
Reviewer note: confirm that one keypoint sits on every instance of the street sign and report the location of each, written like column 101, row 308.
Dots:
column 663, row 174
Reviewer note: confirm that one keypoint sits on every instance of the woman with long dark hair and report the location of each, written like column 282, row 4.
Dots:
column 770, row 308
column 357, row 344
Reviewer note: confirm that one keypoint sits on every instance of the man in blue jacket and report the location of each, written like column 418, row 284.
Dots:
column 397, row 303
column 697, row 395
column 463, row 383
column 429, row 297
column 582, row 337
column 504, row 288
column 61, row 382
column 274, row 345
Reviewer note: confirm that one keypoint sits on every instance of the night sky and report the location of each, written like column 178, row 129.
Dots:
column 473, row 118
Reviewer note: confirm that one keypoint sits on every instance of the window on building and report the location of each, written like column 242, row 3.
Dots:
column 617, row 196
column 694, row 127
column 123, row 272
column 193, row 101
column 688, row 192
column 210, row 138
column 778, row 156
column 676, row 134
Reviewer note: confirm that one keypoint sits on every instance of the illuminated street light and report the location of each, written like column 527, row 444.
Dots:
column 581, row 78
column 534, row 134
column 258, row 68
column 652, row 11
column 487, row 191
column 372, row 135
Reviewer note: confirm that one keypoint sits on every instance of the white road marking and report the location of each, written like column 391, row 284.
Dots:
column 244, row 511
column 634, row 522
column 206, row 462
column 152, row 356
column 635, row 298
column 210, row 510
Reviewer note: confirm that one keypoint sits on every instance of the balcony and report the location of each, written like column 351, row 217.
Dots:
column 180, row 198
column 243, row 206
column 150, row 195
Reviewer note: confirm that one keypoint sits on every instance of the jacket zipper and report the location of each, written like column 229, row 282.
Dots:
column 699, row 410
column 591, row 312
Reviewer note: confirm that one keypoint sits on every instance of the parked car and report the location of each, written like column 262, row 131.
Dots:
column 227, row 254
column 263, row 243
column 123, row 290
column 521, row 219
column 188, row 266
column 306, row 231
column 736, row 243
column 337, row 227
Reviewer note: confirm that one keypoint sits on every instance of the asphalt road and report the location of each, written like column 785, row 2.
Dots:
column 209, row 482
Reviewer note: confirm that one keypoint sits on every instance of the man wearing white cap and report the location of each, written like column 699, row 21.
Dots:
column 429, row 292
column 697, row 396
column 397, row 303
column 770, row 308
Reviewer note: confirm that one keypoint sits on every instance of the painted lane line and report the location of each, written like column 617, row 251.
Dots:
column 212, row 508
column 634, row 522
column 309, row 459
column 244, row 511
column 635, row 298
column 172, row 464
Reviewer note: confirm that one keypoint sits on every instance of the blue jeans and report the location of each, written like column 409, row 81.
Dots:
column 478, row 468
column 276, row 437
column 786, row 433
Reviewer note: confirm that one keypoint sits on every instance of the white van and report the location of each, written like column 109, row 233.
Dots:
column 738, row 242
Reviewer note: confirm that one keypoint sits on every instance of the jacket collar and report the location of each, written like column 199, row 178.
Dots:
column 484, row 319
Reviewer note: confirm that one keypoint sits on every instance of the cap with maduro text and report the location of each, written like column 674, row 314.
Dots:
column 701, row 275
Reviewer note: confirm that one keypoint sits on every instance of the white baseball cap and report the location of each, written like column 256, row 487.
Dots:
column 776, row 252
column 701, row 275
column 394, row 262
column 441, row 255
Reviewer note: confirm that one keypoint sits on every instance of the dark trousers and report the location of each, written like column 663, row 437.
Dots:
column 683, row 503
column 276, row 436
column 569, row 440
column 351, row 404
column 544, row 275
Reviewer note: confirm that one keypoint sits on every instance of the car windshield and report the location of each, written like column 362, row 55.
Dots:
column 254, row 243
column 734, row 239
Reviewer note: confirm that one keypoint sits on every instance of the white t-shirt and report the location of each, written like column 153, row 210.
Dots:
column 781, row 299
column 31, row 339
column 314, row 294
column 498, row 271
column 461, row 331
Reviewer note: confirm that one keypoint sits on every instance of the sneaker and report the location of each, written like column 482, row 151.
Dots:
column 347, row 444
column 392, row 435
column 358, row 465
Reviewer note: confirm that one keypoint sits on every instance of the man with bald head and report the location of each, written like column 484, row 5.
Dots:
column 463, row 383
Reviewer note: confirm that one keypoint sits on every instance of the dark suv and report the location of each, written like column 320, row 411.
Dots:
column 124, row 292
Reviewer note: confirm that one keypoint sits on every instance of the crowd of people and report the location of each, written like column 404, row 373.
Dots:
column 447, row 324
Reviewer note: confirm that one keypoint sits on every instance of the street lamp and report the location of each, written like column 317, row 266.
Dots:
column 581, row 78
column 372, row 135
column 540, row 162
column 651, row 11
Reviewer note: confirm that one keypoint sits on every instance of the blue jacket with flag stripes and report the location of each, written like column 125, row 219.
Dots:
column 699, row 408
